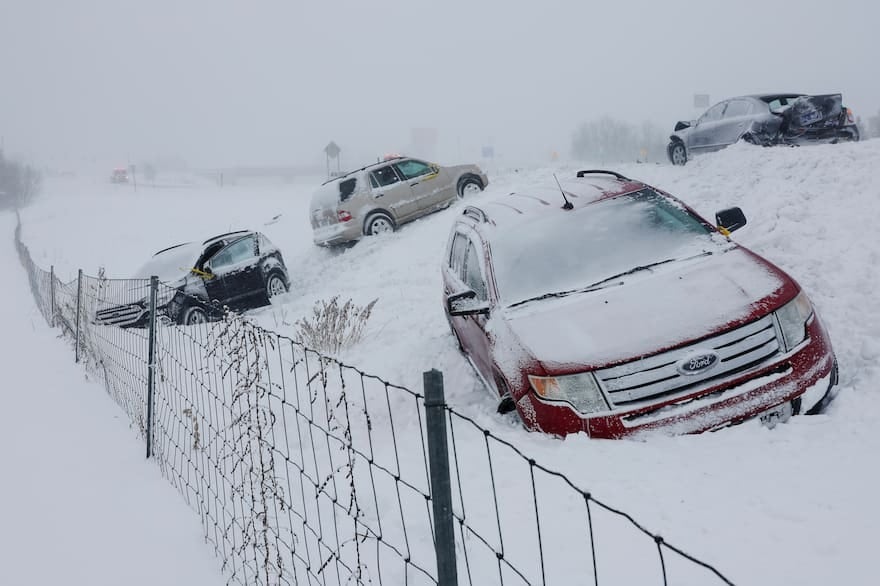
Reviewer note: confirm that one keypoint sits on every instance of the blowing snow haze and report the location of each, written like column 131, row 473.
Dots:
column 222, row 82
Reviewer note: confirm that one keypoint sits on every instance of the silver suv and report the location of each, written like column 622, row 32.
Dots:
column 380, row 197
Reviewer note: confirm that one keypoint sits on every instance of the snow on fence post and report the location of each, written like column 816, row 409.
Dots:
column 52, row 296
column 441, row 487
column 151, row 362
column 79, row 286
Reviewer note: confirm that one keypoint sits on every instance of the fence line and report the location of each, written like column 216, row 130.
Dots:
column 305, row 470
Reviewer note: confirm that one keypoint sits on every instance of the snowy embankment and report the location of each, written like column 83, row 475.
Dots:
column 793, row 505
column 78, row 503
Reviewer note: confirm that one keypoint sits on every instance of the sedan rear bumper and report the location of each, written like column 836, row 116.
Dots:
column 822, row 135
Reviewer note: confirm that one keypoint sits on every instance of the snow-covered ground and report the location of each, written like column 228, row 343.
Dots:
column 793, row 505
column 78, row 503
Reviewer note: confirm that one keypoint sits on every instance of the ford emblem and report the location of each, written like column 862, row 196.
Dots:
column 697, row 363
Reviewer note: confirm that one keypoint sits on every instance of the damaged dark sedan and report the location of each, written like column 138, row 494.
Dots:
column 767, row 119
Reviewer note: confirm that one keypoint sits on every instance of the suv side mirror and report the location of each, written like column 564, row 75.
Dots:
column 681, row 125
column 466, row 303
column 730, row 219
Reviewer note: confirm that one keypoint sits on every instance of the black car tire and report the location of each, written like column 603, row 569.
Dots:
column 192, row 315
column 378, row 223
column 468, row 181
column 677, row 153
column 276, row 285
column 506, row 404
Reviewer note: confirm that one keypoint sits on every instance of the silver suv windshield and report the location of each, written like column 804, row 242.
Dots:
column 560, row 254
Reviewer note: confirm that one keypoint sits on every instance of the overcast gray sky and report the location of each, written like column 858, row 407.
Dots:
column 221, row 82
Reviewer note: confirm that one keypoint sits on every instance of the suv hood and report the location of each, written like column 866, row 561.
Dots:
column 650, row 312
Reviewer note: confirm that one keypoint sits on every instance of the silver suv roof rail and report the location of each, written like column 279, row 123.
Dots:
column 476, row 213
column 602, row 172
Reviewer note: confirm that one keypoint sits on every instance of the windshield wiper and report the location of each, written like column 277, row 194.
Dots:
column 604, row 282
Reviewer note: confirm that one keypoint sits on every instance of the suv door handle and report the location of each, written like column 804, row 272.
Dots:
column 413, row 184
column 380, row 194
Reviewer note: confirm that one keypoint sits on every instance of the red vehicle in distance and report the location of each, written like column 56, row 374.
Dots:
column 119, row 175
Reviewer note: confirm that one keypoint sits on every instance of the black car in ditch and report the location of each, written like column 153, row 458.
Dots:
column 239, row 270
column 766, row 119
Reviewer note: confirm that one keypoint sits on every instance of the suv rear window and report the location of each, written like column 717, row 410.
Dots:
column 346, row 188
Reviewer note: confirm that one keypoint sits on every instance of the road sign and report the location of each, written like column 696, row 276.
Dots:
column 332, row 150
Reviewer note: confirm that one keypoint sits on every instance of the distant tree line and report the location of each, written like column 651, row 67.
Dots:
column 608, row 140
column 19, row 183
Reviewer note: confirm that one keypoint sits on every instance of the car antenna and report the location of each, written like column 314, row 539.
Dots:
column 567, row 205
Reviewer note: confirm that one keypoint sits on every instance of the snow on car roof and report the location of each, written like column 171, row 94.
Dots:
column 515, row 208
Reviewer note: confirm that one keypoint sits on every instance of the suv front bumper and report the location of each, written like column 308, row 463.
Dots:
column 803, row 377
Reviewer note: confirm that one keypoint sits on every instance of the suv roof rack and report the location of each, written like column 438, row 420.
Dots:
column 476, row 213
column 219, row 236
column 364, row 168
column 602, row 172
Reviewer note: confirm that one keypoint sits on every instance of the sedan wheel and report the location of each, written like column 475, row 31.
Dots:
column 275, row 286
column 677, row 154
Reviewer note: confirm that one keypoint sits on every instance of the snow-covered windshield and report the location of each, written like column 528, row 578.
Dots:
column 172, row 264
column 573, row 250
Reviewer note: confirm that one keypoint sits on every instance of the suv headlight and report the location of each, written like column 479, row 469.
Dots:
column 793, row 317
column 578, row 390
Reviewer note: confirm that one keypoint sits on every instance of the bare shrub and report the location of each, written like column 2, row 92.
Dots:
column 333, row 327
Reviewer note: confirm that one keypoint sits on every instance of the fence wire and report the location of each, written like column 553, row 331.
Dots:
column 307, row 471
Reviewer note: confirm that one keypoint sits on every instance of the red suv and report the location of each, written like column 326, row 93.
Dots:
column 610, row 307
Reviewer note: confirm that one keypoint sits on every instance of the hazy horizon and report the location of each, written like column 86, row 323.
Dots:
column 222, row 83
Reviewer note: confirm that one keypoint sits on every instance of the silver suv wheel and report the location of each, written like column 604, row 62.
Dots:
column 379, row 224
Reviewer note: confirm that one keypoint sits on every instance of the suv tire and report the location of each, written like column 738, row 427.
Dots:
column 275, row 285
column 378, row 223
column 192, row 315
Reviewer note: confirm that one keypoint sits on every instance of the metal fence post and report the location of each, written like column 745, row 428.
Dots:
column 52, row 295
column 79, row 286
column 441, row 486
column 151, row 362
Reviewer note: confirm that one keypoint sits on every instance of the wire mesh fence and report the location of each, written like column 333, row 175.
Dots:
column 308, row 471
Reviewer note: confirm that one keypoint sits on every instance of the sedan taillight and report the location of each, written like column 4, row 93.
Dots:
column 343, row 216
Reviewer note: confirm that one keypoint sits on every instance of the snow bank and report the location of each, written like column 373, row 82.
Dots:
column 79, row 503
